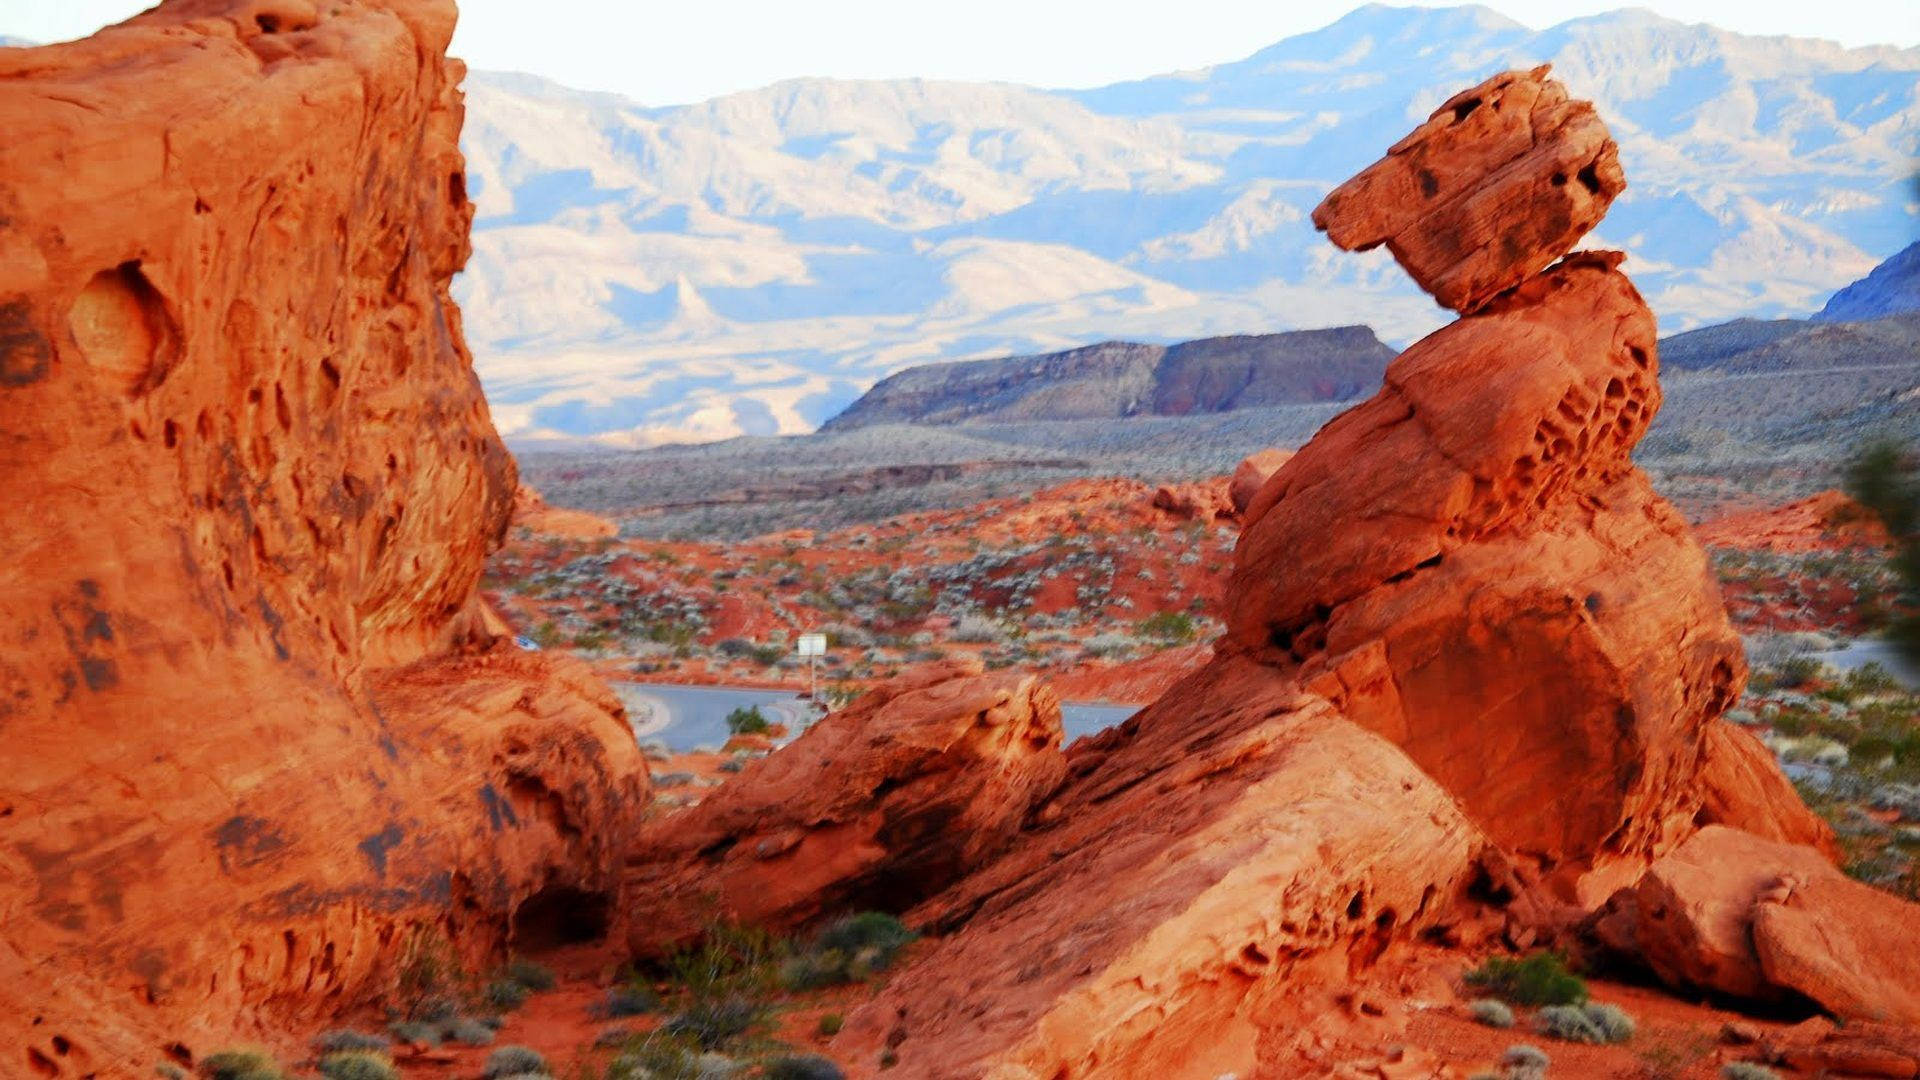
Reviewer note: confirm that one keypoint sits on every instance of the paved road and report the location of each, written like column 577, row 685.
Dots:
column 688, row 718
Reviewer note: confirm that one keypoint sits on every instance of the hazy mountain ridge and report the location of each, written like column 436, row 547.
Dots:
column 1892, row 288
column 753, row 263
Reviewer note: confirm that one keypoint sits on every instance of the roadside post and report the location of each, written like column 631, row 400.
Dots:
column 812, row 648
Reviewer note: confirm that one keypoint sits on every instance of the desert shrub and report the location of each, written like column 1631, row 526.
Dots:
column 1588, row 1023
column 358, row 1065
column 329, row 1042
column 505, row 994
column 428, row 980
column 167, row 1070
column 748, row 721
column 512, row 1061
column 426, row 1032
column 979, row 629
column 830, row 1025
column 1870, row 678
column 240, row 1065
column 467, row 1032
column 803, row 1067
column 1172, row 627
column 849, row 949
column 632, row 999
column 728, row 961
column 533, row 976
column 1539, row 978
column 1524, row 1062
column 1746, row 1070
column 715, row 1025
column 1491, row 1012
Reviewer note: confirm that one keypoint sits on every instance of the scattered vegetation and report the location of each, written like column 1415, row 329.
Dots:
column 850, row 949
column 1169, row 627
column 720, row 1024
column 241, row 1065
column 1524, row 1062
column 513, row 1061
column 1491, row 1012
column 358, row 1065
column 1539, row 978
column 328, row 1042
column 1588, row 1023
column 748, row 721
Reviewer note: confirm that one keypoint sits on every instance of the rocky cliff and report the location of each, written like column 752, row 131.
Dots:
column 1473, row 665
column 260, row 738
column 1119, row 379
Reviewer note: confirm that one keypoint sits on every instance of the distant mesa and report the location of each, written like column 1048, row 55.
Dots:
column 1119, row 379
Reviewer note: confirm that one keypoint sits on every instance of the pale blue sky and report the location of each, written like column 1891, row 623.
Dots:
column 687, row 50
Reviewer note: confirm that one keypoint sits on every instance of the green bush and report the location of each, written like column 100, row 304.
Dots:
column 803, row 1067
column 1172, row 627
column 1493, row 1013
column 467, row 1032
column 505, row 994
column 748, row 721
column 830, row 1025
column 240, row 1065
column 329, row 1042
column 358, row 1065
column 1539, row 978
column 424, row 1032
column 1588, row 1023
column 512, row 1061
column 849, row 949
column 535, row 977
column 716, row 1025
column 728, row 961
column 633, row 999
column 1524, row 1062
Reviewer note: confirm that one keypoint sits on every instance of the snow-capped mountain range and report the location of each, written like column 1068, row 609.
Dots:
column 751, row 264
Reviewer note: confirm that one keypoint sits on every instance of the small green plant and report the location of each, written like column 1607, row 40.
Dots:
column 1588, row 1023
column 467, row 1032
column 328, row 1042
column 240, row 1065
column 1746, row 1070
column 716, row 1025
column 748, row 721
column 802, row 1067
column 1539, row 978
column 421, row 1032
column 358, row 1065
column 535, row 977
column 632, row 999
column 513, row 1061
column 728, row 961
column 1491, row 1012
column 505, row 994
column 1172, row 627
column 428, row 979
column 849, row 949
column 830, row 1025
column 1524, row 1062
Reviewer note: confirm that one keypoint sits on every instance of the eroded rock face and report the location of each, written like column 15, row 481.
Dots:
column 251, row 482
column 1754, row 918
column 1466, row 642
column 1496, row 185
column 881, row 804
column 1251, row 475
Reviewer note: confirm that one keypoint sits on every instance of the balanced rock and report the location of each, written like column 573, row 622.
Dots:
column 1252, row 474
column 1499, row 182
column 879, row 805
column 251, row 483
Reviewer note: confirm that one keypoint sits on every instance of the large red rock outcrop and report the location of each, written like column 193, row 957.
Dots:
column 1251, row 475
column 879, row 805
column 1466, row 641
column 251, row 482
column 1754, row 918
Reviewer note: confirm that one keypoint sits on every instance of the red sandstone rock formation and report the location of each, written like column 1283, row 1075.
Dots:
column 251, row 481
column 1825, row 521
column 881, row 804
column 1467, row 640
column 532, row 513
column 1194, row 502
column 1754, row 918
column 1251, row 475
column 1499, row 182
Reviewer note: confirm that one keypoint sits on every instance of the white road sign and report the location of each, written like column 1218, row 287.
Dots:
column 813, row 645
